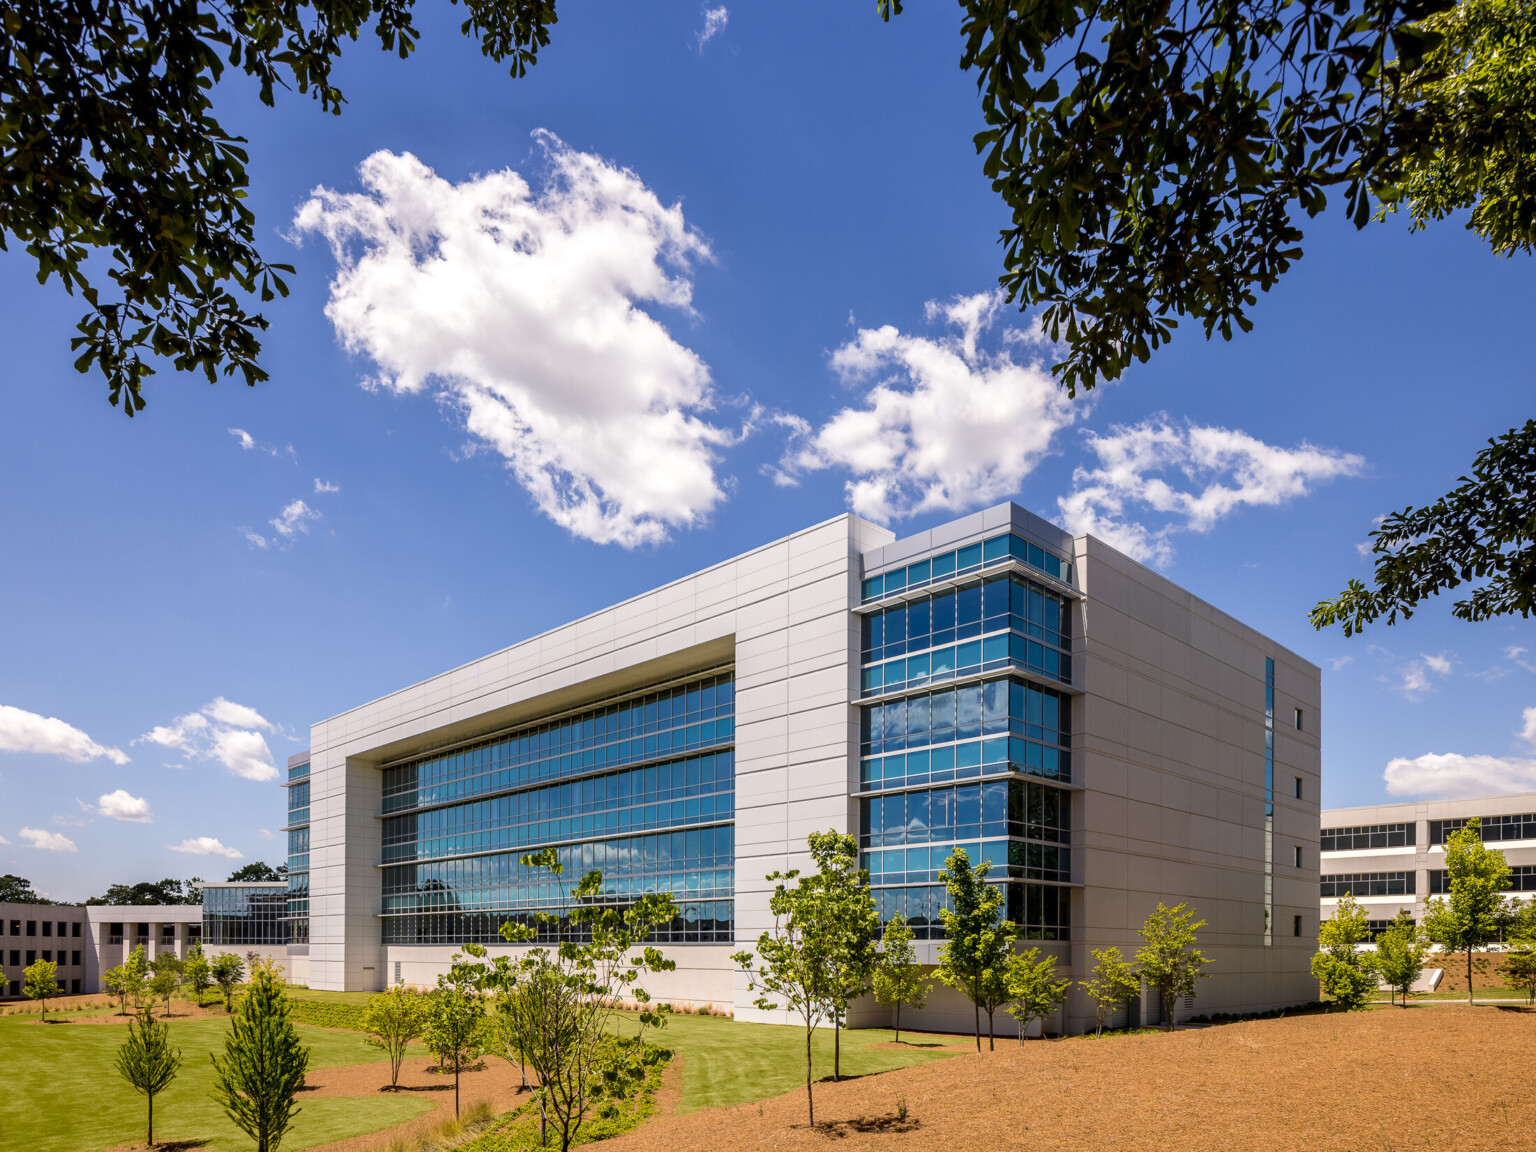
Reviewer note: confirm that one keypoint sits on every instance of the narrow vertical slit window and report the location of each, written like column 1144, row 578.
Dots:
column 1269, row 801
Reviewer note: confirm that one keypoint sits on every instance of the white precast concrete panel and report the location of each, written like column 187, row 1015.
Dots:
column 779, row 613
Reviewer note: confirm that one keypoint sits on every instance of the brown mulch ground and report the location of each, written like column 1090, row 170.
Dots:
column 493, row 1080
column 1448, row 1077
column 1455, row 978
column 180, row 1010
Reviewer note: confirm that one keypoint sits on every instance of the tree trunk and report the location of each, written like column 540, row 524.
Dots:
column 898, row 1021
column 977, row 1009
column 810, row 1099
column 1469, row 975
column 991, row 1032
column 837, row 1047
column 456, row 1089
column 149, row 1140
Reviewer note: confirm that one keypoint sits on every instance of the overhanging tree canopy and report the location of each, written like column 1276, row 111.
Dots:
column 109, row 146
column 1156, row 157
column 1157, row 160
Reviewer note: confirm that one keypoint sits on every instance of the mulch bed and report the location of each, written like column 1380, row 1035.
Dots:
column 1455, row 965
column 1448, row 1077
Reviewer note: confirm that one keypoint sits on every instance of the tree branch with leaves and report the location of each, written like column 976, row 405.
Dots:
column 110, row 150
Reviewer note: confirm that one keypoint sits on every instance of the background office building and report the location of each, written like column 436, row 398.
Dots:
column 87, row 942
column 1103, row 737
column 1391, row 857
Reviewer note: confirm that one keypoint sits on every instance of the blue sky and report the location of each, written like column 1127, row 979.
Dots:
column 717, row 330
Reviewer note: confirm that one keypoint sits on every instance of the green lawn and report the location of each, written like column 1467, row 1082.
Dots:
column 329, row 997
column 729, row 1063
column 62, row 1093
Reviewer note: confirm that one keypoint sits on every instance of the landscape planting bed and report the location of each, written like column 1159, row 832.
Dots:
column 1441, row 1077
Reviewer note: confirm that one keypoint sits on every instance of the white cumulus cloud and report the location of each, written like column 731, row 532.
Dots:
column 293, row 519
column 288, row 525
column 222, row 731
column 942, row 424
column 47, row 841
column 1528, row 730
column 322, row 486
column 223, row 711
column 244, row 753
column 23, row 731
column 1452, row 776
column 1414, row 677
column 520, row 309
column 1215, row 472
column 715, row 20
column 120, row 805
column 206, row 846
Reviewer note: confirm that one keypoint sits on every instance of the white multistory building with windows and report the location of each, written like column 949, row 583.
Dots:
column 1391, row 857
column 1104, row 738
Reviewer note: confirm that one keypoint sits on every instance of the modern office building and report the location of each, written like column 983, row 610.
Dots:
column 1104, row 738
column 1391, row 857
column 86, row 942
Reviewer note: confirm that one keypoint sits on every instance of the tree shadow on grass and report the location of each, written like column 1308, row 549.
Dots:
column 180, row 1145
column 845, row 1077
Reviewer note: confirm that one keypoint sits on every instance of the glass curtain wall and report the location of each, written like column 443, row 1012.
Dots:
column 977, row 765
column 245, row 914
column 298, row 852
column 642, row 789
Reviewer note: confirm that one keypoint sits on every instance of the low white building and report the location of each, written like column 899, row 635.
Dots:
column 1391, row 857
column 86, row 942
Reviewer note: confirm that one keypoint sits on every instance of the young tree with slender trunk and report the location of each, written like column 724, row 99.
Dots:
column 1519, row 968
column 148, row 1062
column 1399, row 959
column 196, row 971
column 509, row 1025
column 1034, row 992
column 789, row 968
column 454, row 1012
column 846, row 905
column 570, row 993
column 167, row 971
column 1114, row 983
column 41, row 983
column 1169, row 961
column 1344, row 974
column 128, row 979
column 1476, row 911
column 264, row 1064
column 898, row 978
column 394, row 1019
column 978, row 941
column 228, row 970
